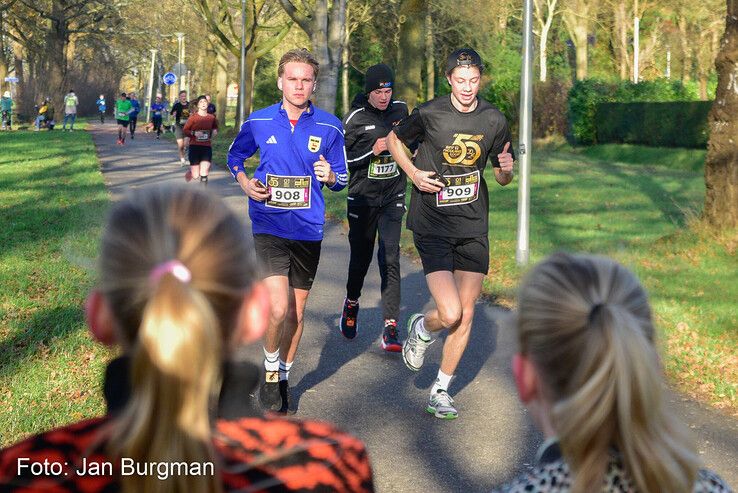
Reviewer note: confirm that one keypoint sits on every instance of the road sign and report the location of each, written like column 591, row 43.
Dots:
column 13, row 80
column 169, row 78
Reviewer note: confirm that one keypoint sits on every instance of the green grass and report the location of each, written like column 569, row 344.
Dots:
column 637, row 204
column 52, row 199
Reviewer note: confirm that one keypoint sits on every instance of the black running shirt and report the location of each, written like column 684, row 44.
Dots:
column 457, row 145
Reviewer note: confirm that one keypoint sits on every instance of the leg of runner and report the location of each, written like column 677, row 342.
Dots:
column 132, row 125
column 278, row 287
column 291, row 335
column 362, row 232
column 455, row 296
column 181, row 149
column 204, row 171
column 388, row 259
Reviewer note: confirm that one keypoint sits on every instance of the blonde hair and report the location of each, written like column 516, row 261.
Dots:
column 586, row 324
column 301, row 55
column 175, row 332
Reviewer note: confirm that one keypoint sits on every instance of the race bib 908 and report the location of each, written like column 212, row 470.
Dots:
column 461, row 189
column 288, row 192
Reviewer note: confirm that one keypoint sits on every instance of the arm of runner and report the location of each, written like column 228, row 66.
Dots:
column 502, row 153
column 336, row 159
column 421, row 179
column 243, row 147
column 187, row 129
column 358, row 155
column 215, row 129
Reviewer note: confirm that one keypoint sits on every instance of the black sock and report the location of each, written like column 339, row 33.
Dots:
column 204, row 180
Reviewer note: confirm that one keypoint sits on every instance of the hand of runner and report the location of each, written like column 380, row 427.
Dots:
column 322, row 170
column 424, row 182
column 379, row 146
column 255, row 191
column 506, row 159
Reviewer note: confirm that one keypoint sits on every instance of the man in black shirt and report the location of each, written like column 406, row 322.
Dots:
column 448, row 213
column 181, row 112
column 376, row 201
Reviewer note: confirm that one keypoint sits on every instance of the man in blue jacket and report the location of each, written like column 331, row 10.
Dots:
column 301, row 151
column 134, row 114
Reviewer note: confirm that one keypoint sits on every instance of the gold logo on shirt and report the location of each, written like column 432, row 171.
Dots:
column 464, row 150
column 314, row 143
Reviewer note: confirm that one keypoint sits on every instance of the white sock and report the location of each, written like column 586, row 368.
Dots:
column 422, row 332
column 271, row 360
column 441, row 383
column 284, row 370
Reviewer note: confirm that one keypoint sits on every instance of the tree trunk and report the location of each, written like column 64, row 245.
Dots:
column 577, row 15
column 721, row 165
column 57, row 38
column 430, row 59
column 685, row 48
column 345, row 103
column 221, row 85
column 620, row 19
column 409, row 63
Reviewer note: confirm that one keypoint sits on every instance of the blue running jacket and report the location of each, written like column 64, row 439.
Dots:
column 295, row 209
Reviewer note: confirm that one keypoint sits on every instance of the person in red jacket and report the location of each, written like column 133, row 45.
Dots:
column 179, row 292
column 201, row 128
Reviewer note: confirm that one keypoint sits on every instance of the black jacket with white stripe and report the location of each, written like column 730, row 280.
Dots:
column 374, row 180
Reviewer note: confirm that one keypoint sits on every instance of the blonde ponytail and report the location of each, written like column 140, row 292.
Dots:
column 175, row 329
column 175, row 365
column 586, row 323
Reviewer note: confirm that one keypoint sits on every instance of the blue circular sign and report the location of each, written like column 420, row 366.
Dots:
column 169, row 78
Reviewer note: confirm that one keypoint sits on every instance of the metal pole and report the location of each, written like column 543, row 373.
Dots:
column 151, row 86
column 242, row 82
column 526, row 110
column 668, row 62
column 180, row 42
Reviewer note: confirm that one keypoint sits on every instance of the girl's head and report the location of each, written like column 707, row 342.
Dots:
column 589, row 367
column 202, row 103
column 177, row 291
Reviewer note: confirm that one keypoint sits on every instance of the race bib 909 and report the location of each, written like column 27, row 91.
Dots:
column 288, row 192
column 461, row 189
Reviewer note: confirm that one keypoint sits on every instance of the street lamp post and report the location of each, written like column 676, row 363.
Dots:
column 180, row 58
column 151, row 86
column 526, row 110
column 242, row 82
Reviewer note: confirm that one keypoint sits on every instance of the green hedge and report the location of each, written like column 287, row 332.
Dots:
column 675, row 124
column 585, row 95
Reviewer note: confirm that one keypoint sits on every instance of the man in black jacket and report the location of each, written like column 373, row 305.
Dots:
column 376, row 201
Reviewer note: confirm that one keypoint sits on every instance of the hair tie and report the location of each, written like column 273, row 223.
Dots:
column 173, row 267
column 594, row 310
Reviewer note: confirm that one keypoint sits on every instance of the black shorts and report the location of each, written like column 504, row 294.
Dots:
column 199, row 153
column 178, row 131
column 123, row 123
column 296, row 259
column 451, row 254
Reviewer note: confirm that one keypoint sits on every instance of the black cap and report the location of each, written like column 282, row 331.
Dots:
column 379, row 76
column 464, row 57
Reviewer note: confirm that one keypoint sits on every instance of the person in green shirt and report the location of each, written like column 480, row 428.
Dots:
column 123, row 109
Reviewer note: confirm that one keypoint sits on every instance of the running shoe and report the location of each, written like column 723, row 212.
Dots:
column 390, row 340
column 119, row 142
column 181, row 162
column 413, row 350
column 441, row 405
column 285, row 393
column 188, row 176
column 269, row 394
column 349, row 318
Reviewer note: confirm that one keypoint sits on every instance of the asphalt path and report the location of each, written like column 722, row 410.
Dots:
column 370, row 393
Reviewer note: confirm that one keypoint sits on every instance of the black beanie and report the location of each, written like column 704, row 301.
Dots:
column 378, row 76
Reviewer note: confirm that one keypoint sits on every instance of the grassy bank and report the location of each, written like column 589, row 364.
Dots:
column 52, row 199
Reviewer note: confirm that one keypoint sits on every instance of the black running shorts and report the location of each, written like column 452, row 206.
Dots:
column 123, row 123
column 199, row 153
column 451, row 254
column 295, row 259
